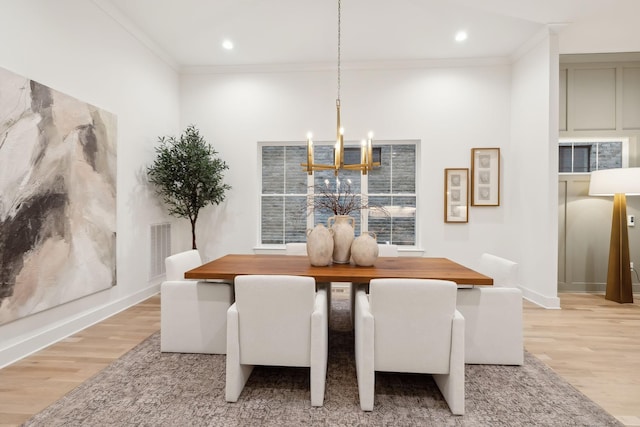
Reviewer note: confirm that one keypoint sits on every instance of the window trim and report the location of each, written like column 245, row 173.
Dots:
column 265, row 248
column 587, row 140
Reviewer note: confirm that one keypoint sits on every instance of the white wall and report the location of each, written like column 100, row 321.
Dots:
column 75, row 47
column 533, row 185
column 449, row 108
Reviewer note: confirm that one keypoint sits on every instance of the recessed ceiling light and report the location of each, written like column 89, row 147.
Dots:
column 461, row 36
column 227, row 44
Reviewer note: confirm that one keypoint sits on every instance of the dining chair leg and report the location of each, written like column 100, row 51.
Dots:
column 236, row 373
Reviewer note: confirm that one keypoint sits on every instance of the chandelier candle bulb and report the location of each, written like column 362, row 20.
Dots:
column 363, row 156
column 309, row 153
column 370, row 152
column 340, row 149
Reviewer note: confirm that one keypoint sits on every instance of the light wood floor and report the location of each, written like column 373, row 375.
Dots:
column 593, row 343
column 33, row 383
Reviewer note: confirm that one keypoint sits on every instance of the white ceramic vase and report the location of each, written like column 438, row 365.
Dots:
column 320, row 245
column 364, row 249
column 343, row 234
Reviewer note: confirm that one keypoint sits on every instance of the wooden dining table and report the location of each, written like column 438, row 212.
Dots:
column 230, row 266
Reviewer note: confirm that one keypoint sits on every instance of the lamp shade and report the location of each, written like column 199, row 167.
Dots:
column 609, row 182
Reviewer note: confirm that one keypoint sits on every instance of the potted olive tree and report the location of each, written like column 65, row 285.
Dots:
column 188, row 175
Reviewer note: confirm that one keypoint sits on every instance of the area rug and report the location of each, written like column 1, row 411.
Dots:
column 148, row 388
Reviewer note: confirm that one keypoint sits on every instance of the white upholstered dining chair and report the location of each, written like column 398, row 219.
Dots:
column 301, row 249
column 384, row 250
column 389, row 250
column 410, row 325
column 277, row 321
column 296, row 249
column 493, row 314
column 175, row 265
column 193, row 314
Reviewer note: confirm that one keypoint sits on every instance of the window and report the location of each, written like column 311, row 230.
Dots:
column 575, row 158
column 284, row 195
column 587, row 155
column 285, row 187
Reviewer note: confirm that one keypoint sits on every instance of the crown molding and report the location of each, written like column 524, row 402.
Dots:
column 549, row 30
column 364, row 65
column 611, row 57
column 121, row 19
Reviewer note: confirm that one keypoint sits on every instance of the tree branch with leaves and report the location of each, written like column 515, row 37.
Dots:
column 188, row 175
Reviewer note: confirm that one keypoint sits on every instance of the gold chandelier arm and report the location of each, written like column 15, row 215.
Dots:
column 316, row 166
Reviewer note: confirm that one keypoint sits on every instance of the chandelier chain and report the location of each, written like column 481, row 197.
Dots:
column 339, row 36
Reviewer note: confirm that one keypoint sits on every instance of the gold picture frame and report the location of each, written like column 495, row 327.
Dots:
column 456, row 195
column 485, row 177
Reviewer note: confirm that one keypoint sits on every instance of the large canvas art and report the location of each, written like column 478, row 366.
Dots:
column 57, row 198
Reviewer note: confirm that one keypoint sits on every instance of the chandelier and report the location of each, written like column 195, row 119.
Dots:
column 366, row 151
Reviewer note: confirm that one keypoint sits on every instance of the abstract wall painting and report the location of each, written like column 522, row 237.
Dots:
column 57, row 198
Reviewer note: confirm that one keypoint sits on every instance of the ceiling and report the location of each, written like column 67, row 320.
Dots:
column 189, row 33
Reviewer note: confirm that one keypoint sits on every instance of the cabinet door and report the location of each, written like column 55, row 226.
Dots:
column 593, row 99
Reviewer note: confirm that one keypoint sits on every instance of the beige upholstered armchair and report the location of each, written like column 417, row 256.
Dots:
column 193, row 314
column 277, row 321
column 410, row 325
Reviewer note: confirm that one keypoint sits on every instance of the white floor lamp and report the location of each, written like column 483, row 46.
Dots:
column 618, row 183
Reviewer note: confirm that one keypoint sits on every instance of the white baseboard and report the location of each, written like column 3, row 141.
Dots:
column 70, row 326
column 541, row 300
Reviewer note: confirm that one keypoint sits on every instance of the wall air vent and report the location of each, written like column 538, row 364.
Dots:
column 160, row 248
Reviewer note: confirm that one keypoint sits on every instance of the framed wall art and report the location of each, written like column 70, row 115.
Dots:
column 485, row 177
column 57, row 197
column 456, row 195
